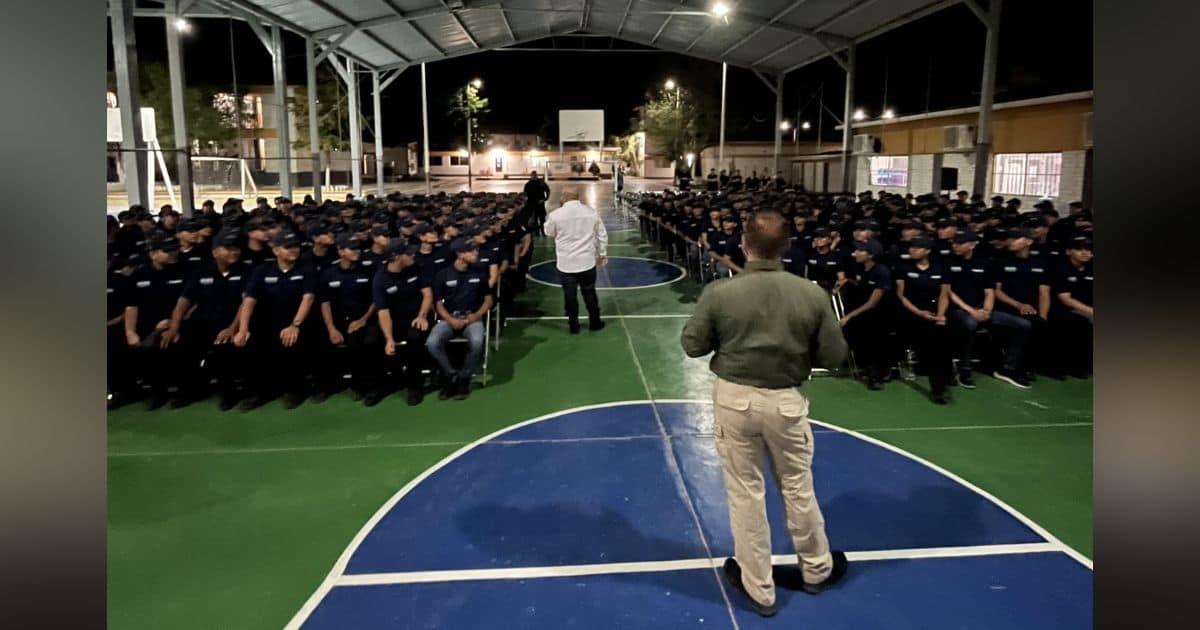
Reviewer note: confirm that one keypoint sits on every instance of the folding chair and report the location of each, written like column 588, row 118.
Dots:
column 839, row 309
column 483, row 377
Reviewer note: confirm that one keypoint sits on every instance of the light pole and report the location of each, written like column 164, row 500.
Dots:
column 475, row 84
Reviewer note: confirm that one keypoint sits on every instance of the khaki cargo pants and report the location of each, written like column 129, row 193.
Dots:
column 751, row 422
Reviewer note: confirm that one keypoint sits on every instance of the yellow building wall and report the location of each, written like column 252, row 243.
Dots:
column 1037, row 128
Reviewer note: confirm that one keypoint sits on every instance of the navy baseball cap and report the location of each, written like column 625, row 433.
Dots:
column 190, row 225
column 163, row 242
column 1079, row 242
column 286, row 238
column 319, row 229
column 923, row 242
column 1019, row 232
column 399, row 247
column 821, row 232
column 347, row 241
column 871, row 246
column 966, row 236
column 463, row 244
column 381, row 230
column 228, row 237
column 867, row 224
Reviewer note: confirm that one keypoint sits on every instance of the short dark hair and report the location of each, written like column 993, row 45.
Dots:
column 766, row 234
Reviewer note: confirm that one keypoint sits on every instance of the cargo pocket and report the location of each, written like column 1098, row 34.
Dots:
column 793, row 409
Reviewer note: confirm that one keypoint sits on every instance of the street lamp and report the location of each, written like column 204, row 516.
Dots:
column 888, row 114
column 691, row 162
column 720, row 9
column 805, row 125
column 476, row 83
column 859, row 114
column 182, row 25
column 785, row 125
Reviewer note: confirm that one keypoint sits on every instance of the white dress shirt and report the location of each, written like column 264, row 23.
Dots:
column 579, row 236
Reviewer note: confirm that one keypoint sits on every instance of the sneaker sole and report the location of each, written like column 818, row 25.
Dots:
column 1001, row 377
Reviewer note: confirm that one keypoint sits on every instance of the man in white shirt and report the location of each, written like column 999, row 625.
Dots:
column 580, row 244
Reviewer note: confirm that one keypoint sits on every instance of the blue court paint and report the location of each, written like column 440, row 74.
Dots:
column 523, row 505
column 621, row 273
column 529, row 499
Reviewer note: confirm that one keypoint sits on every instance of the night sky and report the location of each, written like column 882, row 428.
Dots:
column 931, row 64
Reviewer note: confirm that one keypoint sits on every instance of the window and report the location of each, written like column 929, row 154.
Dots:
column 435, row 160
column 458, row 160
column 889, row 170
column 1030, row 174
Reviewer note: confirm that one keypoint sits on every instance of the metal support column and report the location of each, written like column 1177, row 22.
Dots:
column 983, row 129
column 125, row 64
column 314, row 135
column 183, row 160
column 356, row 151
column 778, row 123
column 425, row 130
column 284, row 123
column 721, row 145
column 848, row 122
column 375, row 101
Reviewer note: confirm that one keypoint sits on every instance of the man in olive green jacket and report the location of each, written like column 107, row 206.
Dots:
column 767, row 328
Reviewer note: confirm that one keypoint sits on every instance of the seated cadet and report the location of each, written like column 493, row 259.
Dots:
column 866, row 324
column 924, row 292
column 489, row 255
column 322, row 252
column 944, row 230
column 371, row 258
column 403, row 301
column 259, row 232
column 347, row 312
column 120, row 378
column 1073, row 311
column 823, row 264
column 462, row 299
column 433, row 255
column 726, row 249
column 192, row 251
column 1023, row 290
column 973, row 299
column 206, row 335
column 275, row 307
column 150, row 295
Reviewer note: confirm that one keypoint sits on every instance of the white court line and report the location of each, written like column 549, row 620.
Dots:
column 673, row 464
column 613, row 568
column 349, row 447
column 339, row 567
column 682, row 274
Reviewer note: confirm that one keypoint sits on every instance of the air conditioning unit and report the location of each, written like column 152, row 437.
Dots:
column 1087, row 130
column 864, row 143
column 958, row 138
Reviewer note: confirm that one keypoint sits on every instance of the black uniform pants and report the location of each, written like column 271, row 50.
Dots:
column 574, row 283
column 932, row 345
column 155, row 366
column 539, row 219
column 867, row 336
column 202, row 361
column 275, row 368
column 1072, row 333
column 352, row 356
column 402, row 369
column 121, row 379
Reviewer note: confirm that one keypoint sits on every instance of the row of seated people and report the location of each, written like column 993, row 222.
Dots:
column 921, row 274
column 291, row 299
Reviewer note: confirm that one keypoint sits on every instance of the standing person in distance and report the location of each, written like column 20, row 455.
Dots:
column 580, row 245
column 767, row 328
column 536, row 193
column 924, row 292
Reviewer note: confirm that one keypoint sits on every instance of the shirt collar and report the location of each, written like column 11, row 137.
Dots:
column 764, row 265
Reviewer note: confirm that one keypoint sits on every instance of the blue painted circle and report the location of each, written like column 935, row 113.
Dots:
column 620, row 273
column 637, row 482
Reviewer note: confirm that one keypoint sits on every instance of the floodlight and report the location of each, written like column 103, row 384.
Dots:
column 477, row 83
column 805, row 126
column 785, row 125
column 720, row 9
column 859, row 114
column 670, row 84
column 182, row 25
column 691, row 157
column 888, row 114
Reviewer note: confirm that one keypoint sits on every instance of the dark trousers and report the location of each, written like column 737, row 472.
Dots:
column 121, row 379
column 931, row 343
column 155, row 366
column 867, row 336
column 581, row 282
column 402, row 369
column 1072, row 333
column 202, row 362
column 274, row 368
column 539, row 219
column 352, row 356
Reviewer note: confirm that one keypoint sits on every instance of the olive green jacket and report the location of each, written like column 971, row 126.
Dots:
column 766, row 327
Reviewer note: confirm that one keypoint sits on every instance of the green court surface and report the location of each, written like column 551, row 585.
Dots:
column 230, row 520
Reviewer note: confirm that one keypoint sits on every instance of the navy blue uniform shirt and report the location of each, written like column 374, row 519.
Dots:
column 923, row 286
column 1073, row 280
column 823, row 268
column 969, row 278
column 1020, row 278
column 278, row 293
column 348, row 291
column 216, row 295
column 461, row 291
column 154, row 293
column 399, row 293
column 864, row 282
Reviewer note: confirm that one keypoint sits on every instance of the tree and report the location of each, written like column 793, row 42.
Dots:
column 629, row 152
column 333, row 114
column 677, row 123
column 466, row 103
column 205, row 123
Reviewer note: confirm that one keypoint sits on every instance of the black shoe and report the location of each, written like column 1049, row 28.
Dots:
column 874, row 385
column 838, row 572
column 254, row 402
column 1012, row 377
column 965, row 380
column 733, row 575
column 321, row 395
column 463, row 390
column 596, row 325
column 940, row 398
column 354, row 395
column 293, row 400
column 157, row 401
column 448, row 389
column 415, row 396
column 372, row 399
column 573, row 327
column 228, row 401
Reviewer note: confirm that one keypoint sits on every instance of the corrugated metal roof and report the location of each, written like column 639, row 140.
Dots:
column 772, row 36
